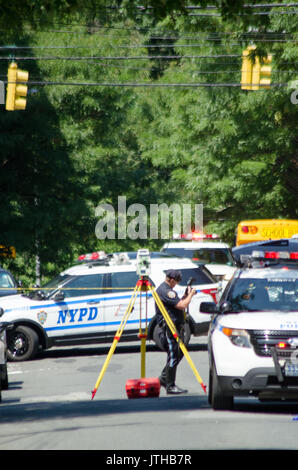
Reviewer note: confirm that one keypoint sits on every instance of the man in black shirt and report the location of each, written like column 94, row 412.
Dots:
column 175, row 307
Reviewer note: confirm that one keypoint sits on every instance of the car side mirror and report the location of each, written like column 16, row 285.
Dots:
column 59, row 296
column 226, row 307
column 208, row 307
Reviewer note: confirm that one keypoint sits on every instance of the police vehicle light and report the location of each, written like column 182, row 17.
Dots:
column 194, row 236
column 92, row 256
column 238, row 337
column 277, row 254
column 211, row 292
column 282, row 345
column 274, row 254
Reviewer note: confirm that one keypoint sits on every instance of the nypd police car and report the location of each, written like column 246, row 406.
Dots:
column 253, row 336
column 85, row 304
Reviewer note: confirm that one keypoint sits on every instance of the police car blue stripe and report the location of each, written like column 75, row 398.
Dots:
column 91, row 325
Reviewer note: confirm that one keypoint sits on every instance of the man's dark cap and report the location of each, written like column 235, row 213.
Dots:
column 174, row 274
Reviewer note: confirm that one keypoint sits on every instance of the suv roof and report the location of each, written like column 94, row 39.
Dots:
column 283, row 244
column 128, row 265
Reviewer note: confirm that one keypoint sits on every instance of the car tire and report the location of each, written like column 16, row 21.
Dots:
column 157, row 340
column 22, row 344
column 219, row 400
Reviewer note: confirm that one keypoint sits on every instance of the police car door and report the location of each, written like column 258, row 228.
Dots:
column 121, row 285
column 80, row 311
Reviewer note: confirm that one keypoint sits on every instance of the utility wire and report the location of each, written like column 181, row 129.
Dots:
column 150, row 57
column 141, row 46
column 154, row 85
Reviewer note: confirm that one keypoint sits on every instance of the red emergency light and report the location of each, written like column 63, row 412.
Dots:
column 195, row 236
column 211, row 292
column 92, row 256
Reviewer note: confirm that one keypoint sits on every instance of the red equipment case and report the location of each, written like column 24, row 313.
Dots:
column 143, row 388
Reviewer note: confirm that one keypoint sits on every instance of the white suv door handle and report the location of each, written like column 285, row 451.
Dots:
column 93, row 302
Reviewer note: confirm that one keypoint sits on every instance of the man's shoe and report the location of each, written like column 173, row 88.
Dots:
column 175, row 390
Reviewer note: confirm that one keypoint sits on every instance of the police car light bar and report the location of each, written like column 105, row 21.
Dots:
column 194, row 236
column 274, row 255
column 96, row 255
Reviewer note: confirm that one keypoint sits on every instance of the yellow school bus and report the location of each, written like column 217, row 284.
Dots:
column 265, row 229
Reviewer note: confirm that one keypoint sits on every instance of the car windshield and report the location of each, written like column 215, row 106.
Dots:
column 50, row 286
column 278, row 293
column 204, row 255
column 72, row 286
column 199, row 276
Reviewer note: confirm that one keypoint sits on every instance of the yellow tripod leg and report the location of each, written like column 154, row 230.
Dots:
column 116, row 339
column 143, row 356
column 176, row 336
column 143, row 334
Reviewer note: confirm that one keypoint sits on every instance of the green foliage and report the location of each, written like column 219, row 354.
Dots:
column 76, row 145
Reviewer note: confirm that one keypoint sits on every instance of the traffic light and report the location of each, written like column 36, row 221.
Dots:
column 16, row 90
column 257, row 74
column 261, row 73
column 246, row 70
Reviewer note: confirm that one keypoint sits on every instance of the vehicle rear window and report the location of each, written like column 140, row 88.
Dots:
column 203, row 255
column 200, row 276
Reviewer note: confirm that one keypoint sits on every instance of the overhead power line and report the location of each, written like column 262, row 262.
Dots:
column 249, row 5
column 143, row 57
column 140, row 46
column 153, row 85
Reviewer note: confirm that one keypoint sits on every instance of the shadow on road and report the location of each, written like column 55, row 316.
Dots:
column 11, row 411
column 40, row 411
column 82, row 351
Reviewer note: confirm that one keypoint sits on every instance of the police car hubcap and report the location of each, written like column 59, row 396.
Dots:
column 19, row 344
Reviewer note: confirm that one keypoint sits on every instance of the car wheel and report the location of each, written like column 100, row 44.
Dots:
column 22, row 344
column 158, row 339
column 219, row 401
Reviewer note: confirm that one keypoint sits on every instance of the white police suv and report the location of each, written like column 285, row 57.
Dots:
column 85, row 304
column 253, row 336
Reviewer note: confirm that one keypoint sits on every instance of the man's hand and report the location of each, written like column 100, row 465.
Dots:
column 191, row 290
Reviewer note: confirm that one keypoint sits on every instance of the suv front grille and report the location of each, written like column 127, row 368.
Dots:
column 263, row 340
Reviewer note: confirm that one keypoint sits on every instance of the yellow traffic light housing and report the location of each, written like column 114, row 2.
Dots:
column 261, row 74
column 257, row 74
column 246, row 70
column 16, row 90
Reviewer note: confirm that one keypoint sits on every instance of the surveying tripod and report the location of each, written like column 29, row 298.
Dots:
column 144, row 285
